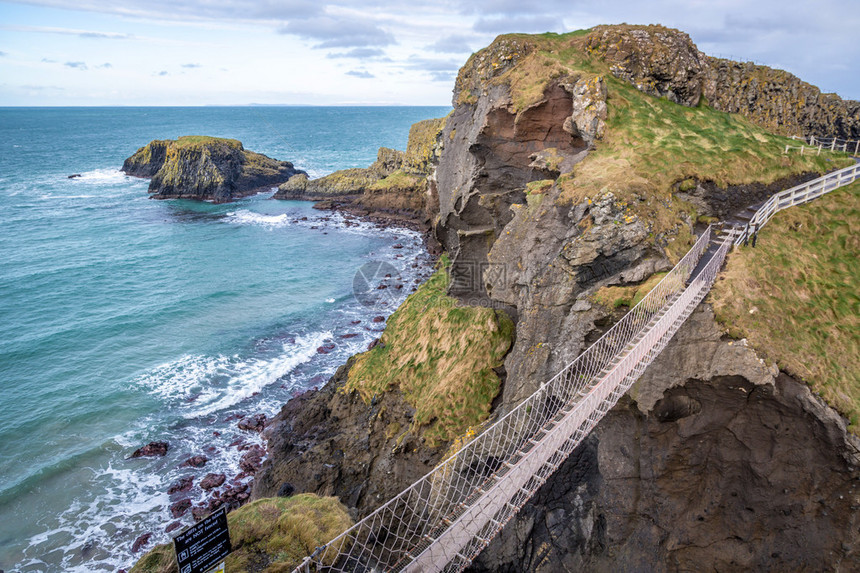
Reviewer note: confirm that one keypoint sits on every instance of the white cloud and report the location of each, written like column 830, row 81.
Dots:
column 816, row 40
column 339, row 32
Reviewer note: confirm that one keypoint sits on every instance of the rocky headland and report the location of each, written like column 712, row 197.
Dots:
column 394, row 188
column 206, row 168
column 573, row 170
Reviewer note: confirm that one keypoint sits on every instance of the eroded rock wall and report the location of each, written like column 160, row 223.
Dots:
column 520, row 248
column 719, row 462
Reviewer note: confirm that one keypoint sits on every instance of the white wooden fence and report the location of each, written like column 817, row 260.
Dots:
column 796, row 196
column 817, row 144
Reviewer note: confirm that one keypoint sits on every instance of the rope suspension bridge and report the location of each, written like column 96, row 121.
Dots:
column 445, row 519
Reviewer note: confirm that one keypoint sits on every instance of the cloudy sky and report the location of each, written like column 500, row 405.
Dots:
column 227, row 52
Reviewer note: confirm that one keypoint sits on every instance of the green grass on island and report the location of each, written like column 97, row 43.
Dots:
column 796, row 296
column 270, row 535
column 187, row 141
column 398, row 180
column 441, row 356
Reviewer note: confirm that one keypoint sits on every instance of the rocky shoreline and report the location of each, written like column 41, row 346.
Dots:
column 199, row 491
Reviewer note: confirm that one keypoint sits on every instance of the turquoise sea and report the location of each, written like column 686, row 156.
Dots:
column 125, row 320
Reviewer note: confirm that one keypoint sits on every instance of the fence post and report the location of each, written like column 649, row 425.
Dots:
column 819, row 149
column 801, row 150
column 833, row 145
column 786, row 150
column 857, row 148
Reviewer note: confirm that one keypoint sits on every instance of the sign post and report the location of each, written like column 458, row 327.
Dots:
column 204, row 545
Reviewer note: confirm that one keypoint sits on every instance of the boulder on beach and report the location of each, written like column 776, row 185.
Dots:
column 254, row 423
column 194, row 462
column 182, row 484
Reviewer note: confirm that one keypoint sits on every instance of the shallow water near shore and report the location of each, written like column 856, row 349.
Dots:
column 125, row 320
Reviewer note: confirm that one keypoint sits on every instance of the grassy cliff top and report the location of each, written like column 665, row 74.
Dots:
column 795, row 296
column 270, row 534
column 650, row 144
column 441, row 356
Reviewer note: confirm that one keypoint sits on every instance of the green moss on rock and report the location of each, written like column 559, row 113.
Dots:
column 268, row 535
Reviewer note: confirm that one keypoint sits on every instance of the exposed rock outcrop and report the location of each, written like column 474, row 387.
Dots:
column 394, row 187
column 330, row 442
column 152, row 449
column 665, row 63
column 208, row 168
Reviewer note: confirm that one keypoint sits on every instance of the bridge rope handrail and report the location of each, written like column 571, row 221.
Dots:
column 442, row 521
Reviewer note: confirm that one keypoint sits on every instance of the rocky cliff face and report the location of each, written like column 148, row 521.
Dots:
column 715, row 457
column 665, row 63
column 209, row 168
column 331, row 442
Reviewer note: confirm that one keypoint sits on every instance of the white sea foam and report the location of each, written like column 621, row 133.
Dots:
column 208, row 384
column 102, row 176
column 49, row 196
column 129, row 499
column 245, row 217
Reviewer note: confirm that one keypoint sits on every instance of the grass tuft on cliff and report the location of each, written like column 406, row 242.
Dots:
column 398, row 180
column 269, row 535
column 795, row 296
column 441, row 355
column 629, row 296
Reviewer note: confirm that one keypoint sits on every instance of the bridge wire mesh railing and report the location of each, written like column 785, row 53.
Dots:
column 397, row 533
column 630, row 364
